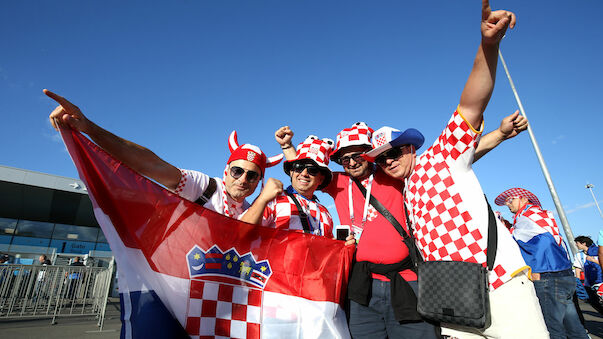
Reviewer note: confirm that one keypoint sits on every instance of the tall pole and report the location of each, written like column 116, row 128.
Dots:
column 590, row 188
column 566, row 227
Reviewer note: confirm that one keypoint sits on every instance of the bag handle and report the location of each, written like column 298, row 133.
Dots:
column 302, row 215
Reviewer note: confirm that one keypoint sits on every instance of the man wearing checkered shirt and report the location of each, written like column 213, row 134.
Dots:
column 446, row 204
column 543, row 249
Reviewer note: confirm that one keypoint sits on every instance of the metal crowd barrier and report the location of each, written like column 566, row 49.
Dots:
column 28, row 291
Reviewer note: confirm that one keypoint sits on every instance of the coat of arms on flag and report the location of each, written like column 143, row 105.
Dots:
column 225, row 293
column 209, row 274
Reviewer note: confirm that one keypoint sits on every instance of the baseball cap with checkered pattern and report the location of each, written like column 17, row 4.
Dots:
column 517, row 192
column 316, row 151
column 357, row 135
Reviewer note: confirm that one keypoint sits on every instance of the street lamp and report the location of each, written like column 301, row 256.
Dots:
column 590, row 188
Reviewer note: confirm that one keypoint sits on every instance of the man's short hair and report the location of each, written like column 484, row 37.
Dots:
column 584, row 239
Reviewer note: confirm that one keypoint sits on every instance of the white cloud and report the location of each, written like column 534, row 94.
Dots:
column 558, row 138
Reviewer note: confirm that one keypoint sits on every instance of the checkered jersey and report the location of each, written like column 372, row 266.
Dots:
column 282, row 213
column 544, row 219
column 449, row 211
column 218, row 310
column 192, row 185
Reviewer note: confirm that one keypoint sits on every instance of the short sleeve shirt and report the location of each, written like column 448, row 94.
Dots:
column 449, row 210
column 193, row 184
column 282, row 213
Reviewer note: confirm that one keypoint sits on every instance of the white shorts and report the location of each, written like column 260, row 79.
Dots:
column 515, row 313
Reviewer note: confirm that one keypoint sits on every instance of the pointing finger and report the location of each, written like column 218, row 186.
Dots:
column 62, row 101
column 485, row 9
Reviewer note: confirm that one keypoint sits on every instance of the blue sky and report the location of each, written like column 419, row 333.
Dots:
column 178, row 76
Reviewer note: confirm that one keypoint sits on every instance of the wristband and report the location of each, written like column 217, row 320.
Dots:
column 287, row 147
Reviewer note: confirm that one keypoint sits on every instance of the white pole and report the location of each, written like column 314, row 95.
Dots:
column 590, row 188
column 566, row 227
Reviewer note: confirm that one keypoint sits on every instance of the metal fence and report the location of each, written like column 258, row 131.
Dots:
column 28, row 291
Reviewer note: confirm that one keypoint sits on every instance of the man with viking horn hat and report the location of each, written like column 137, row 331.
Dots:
column 226, row 195
column 244, row 169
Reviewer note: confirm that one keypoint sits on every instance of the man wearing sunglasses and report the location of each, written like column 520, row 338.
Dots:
column 309, row 171
column 244, row 169
column 445, row 201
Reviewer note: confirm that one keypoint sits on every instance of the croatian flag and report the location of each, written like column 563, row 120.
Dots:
column 183, row 269
column 541, row 245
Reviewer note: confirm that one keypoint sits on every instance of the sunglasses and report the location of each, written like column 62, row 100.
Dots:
column 509, row 200
column 252, row 176
column 345, row 160
column 312, row 170
column 393, row 153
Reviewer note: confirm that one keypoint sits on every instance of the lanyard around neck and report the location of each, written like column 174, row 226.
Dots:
column 366, row 201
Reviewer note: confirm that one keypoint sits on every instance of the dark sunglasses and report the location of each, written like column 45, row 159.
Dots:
column 345, row 160
column 313, row 170
column 236, row 172
column 393, row 153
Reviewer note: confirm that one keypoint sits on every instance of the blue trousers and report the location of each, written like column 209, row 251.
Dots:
column 377, row 320
column 555, row 295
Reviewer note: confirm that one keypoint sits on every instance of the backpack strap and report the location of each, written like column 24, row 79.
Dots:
column 209, row 191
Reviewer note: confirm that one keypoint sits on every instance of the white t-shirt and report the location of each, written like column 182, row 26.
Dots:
column 193, row 184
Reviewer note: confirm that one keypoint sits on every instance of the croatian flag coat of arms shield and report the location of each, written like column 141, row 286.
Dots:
column 205, row 275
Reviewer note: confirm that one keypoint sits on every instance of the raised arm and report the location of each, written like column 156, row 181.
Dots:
column 255, row 212
column 509, row 127
column 138, row 158
column 283, row 136
column 480, row 84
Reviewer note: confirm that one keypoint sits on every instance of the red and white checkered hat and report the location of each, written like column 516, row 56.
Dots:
column 316, row 151
column 386, row 138
column 516, row 192
column 250, row 153
column 357, row 135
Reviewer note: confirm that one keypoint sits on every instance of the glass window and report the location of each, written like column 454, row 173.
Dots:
column 66, row 246
column 30, row 228
column 7, row 226
column 103, row 247
column 29, row 241
column 101, row 236
column 79, row 233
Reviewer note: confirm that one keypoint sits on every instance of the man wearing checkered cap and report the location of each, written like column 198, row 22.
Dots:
column 244, row 169
column 543, row 249
column 309, row 171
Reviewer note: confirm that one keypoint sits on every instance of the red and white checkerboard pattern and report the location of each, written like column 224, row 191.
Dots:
column 282, row 213
column 516, row 192
column 443, row 226
column 315, row 149
column 218, row 310
column 182, row 183
column 357, row 135
column 545, row 220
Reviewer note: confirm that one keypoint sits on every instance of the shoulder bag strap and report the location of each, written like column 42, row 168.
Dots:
column 302, row 215
column 384, row 211
column 409, row 241
column 209, row 191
